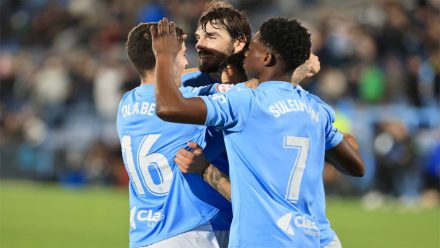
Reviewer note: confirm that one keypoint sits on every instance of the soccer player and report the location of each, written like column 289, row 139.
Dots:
column 167, row 208
column 269, row 156
column 216, row 34
column 223, row 34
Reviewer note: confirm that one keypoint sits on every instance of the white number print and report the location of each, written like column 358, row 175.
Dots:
column 302, row 144
column 147, row 163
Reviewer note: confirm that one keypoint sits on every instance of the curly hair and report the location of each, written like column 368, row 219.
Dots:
column 139, row 49
column 288, row 39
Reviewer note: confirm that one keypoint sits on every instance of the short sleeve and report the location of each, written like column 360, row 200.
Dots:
column 332, row 135
column 189, row 91
column 229, row 111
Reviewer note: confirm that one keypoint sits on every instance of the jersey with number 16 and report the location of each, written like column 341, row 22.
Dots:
column 163, row 201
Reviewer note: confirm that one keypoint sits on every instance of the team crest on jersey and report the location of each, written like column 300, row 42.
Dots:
column 222, row 88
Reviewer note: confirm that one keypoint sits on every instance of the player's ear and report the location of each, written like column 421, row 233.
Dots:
column 269, row 59
column 239, row 44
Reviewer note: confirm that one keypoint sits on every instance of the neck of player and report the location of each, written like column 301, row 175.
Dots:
column 148, row 78
column 274, row 75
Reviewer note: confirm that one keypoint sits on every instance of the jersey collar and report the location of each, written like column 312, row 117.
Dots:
column 144, row 87
column 278, row 84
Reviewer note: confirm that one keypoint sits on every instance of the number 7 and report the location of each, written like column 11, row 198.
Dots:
column 302, row 144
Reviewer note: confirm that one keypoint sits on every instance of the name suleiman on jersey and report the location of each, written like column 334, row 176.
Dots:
column 292, row 105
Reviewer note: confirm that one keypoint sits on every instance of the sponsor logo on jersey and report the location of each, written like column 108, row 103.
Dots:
column 284, row 224
column 310, row 227
column 299, row 221
column 147, row 216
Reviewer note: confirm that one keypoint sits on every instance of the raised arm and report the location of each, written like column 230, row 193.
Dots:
column 170, row 104
column 194, row 162
column 345, row 157
column 311, row 67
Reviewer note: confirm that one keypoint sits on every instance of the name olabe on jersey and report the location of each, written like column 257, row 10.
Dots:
column 138, row 108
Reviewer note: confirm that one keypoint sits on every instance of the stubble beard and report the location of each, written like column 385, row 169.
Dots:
column 220, row 61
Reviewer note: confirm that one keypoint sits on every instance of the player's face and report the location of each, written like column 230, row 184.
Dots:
column 180, row 62
column 253, row 62
column 213, row 47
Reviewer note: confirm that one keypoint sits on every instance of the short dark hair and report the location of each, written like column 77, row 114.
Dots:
column 216, row 4
column 233, row 21
column 287, row 38
column 139, row 49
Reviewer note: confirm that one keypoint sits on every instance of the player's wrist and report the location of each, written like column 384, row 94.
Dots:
column 205, row 169
column 164, row 56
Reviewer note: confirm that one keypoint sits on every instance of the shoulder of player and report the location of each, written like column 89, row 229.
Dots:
column 128, row 93
column 240, row 92
column 311, row 96
column 223, row 88
column 323, row 106
column 194, row 77
column 190, row 70
column 191, row 73
column 251, row 83
column 190, row 91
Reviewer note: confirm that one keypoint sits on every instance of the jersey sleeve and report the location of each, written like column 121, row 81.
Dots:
column 189, row 91
column 229, row 111
column 332, row 135
column 207, row 90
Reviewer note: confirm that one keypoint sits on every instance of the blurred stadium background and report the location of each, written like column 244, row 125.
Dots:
column 63, row 69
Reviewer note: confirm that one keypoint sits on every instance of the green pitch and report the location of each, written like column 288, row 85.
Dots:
column 40, row 215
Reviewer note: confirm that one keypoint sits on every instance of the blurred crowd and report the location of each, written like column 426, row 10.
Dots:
column 63, row 69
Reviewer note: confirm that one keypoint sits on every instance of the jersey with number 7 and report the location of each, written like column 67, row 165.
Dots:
column 276, row 137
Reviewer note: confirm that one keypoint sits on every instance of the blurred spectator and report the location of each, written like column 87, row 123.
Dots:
column 397, row 172
column 51, row 89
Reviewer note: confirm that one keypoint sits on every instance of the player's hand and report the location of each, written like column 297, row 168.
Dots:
column 191, row 161
column 308, row 69
column 164, row 38
column 314, row 65
column 352, row 141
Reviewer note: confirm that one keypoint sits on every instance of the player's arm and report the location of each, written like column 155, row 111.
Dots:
column 311, row 67
column 218, row 180
column 170, row 104
column 194, row 162
column 346, row 158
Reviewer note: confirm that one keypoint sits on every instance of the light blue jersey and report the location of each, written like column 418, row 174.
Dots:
column 276, row 137
column 216, row 154
column 163, row 201
column 327, row 234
